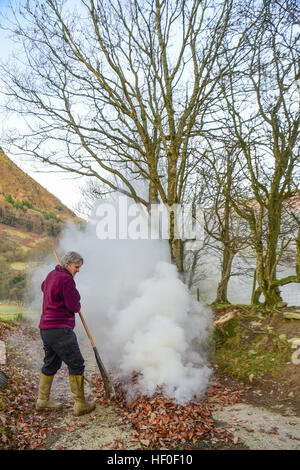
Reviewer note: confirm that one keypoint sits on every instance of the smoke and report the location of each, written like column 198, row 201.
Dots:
column 140, row 314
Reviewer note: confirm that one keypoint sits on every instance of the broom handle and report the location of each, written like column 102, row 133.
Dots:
column 86, row 329
column 80, row 314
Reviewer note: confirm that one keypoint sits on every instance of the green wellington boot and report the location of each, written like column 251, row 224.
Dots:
column 43, row 401
column 81, row 406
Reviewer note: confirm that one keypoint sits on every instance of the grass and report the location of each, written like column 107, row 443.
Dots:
column 11, row 312
column 16, row 232
column 25, row 249
column 19, row 266
column 40, row 240
column 251, row 349
column 254, row 359
column 24, row 266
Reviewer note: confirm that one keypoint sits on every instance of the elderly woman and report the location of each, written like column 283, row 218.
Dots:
column 61, row 301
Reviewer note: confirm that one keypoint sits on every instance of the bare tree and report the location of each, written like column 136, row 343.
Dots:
column 109, row 86
column 221, row 175
column 262, row 102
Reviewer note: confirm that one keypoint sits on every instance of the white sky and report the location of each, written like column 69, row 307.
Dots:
column 64, row 186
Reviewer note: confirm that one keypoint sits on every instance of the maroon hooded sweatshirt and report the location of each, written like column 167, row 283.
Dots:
column 61, row 300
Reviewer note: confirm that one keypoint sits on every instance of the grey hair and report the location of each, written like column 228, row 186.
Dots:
column 71, row 258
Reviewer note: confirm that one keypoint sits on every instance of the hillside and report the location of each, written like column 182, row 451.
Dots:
column 31, row 219
column 25, row 204
column 20, row 253
column 21, row 186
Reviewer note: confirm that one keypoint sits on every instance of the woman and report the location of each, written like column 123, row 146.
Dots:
column 61, row 301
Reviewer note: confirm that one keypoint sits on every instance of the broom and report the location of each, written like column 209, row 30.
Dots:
column 108, row 386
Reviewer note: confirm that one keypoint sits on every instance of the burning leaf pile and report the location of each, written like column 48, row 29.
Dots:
column 159, row 422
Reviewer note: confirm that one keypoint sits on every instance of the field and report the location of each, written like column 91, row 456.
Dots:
column 20, row 253
column 11, row 311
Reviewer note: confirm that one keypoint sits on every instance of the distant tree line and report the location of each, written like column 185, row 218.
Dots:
column 24, row 204
column 12, row 212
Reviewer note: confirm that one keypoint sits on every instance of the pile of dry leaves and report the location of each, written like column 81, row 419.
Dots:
column 21, row 427
column 159, row 422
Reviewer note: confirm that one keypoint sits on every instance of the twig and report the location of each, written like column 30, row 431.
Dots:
column 248, row 328
column 89, row 382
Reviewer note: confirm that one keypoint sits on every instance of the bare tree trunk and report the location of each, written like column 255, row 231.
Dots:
column 272, row 293
column 222, row 289
column 175, row 242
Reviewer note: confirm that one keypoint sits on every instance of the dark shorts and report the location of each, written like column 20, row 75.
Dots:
column 60, row 345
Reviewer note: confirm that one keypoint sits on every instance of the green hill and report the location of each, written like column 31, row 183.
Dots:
column 21, row 186
column 25, row 204
column 20, row 253
column 31, row 220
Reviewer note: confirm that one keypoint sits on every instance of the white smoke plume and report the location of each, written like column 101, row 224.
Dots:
column 140, row 314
